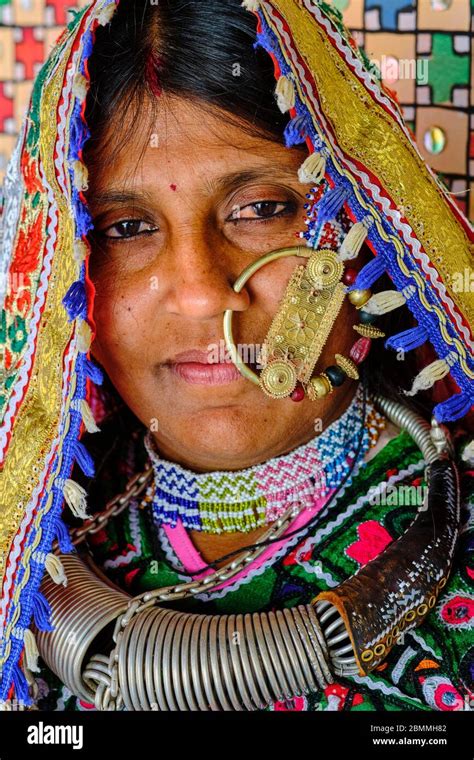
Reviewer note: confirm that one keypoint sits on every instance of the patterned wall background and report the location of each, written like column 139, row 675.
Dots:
column 424, row 49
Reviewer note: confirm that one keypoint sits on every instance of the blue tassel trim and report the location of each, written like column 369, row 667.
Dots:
column 78, row 134
column 75, row 301
column 83, row 459
column 369, row 274
column 83, row 219
column 33, row 605
column 295, row 131
column 266, row 42
column 42, row 612
column 93, row 372
column 21, row 686
column 408, row 340
column 331, row 203
column 455, row 407
column 63, row 537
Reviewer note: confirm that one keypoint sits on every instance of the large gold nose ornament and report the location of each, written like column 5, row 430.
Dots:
column 306, row 314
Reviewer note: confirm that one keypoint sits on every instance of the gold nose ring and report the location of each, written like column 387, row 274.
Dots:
column 298, row 332
column 242, row 279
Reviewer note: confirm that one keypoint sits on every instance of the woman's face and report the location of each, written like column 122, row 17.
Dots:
column 176, row 222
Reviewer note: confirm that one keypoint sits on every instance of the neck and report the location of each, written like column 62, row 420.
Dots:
column 224, row 502
column 263, row 448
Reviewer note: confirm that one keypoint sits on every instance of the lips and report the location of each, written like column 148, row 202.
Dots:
column 198, row 367
column 194, row 355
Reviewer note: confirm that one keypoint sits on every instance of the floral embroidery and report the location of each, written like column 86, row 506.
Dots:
column 373, row 538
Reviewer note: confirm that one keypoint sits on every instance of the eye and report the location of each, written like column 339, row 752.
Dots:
column 126, row 229
column 262, row 210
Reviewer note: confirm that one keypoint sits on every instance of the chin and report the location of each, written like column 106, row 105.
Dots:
column 221, row 433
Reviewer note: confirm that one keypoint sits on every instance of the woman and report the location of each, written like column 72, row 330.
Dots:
column 280, row 542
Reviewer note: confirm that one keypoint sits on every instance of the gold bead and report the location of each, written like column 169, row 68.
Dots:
column 327, row 380
column 347, row 365
column 359, row 297
column 318, row 387
column 324, row 269
column 278, row 379
column 369, row 331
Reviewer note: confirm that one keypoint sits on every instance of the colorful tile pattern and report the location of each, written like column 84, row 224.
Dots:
column 425, row 49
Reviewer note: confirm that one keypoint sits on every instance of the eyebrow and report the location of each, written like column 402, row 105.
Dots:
column 228, row 182
column 234, row 180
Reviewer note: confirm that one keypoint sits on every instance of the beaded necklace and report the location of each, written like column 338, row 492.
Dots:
column 242, row 500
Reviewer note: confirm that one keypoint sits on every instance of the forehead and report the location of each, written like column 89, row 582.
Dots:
column 181, row 135
column 176, row 118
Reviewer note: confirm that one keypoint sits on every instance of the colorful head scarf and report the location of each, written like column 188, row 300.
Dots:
column 356, row 140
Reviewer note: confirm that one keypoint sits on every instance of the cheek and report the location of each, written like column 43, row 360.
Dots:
column 124, row 324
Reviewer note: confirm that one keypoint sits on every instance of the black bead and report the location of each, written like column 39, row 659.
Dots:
column 367, row 319
column 335, row 374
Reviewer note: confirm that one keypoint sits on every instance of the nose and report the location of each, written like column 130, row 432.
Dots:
column 199, row 279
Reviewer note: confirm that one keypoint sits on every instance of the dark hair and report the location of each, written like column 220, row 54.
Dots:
column 199, row 49
column 191, row 48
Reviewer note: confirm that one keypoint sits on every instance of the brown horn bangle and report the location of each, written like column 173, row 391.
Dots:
column 396, row 590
